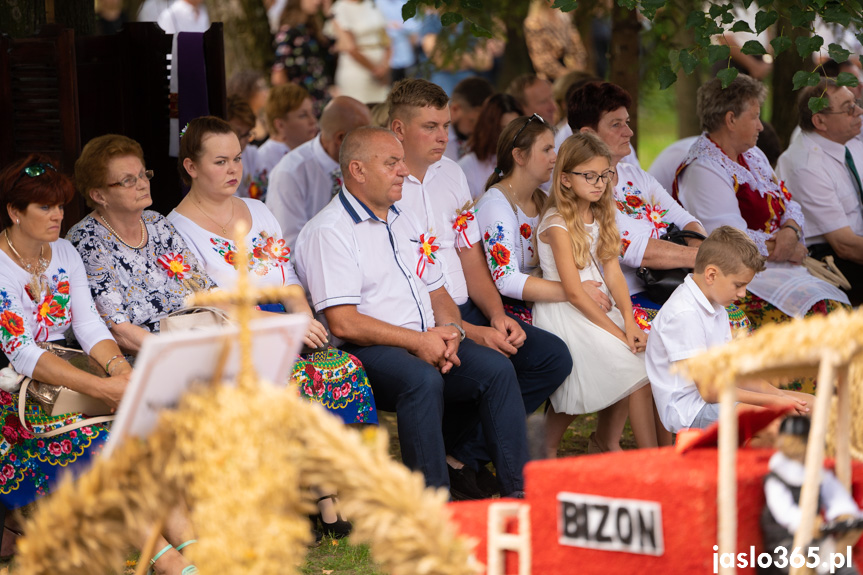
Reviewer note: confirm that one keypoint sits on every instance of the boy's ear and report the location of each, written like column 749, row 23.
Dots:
column 710, row 273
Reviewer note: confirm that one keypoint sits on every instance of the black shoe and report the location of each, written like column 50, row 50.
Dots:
column 514, row 495
column 462, row 484
column 337, row 529
column 486, row 481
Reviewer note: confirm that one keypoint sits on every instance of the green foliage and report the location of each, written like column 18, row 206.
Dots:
column 753, row 47
column 804, row 78
column 818, row 104
column 846, row 79
column 565, row 5
column 726, row 76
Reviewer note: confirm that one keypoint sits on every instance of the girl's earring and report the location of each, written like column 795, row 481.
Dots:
column 17, row 222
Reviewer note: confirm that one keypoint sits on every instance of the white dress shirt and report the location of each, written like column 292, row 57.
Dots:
column 300, row 185
column 644, row 211
column 267, row 157
column 454, row 147
column 183, row 17
column 815, row 172
column 664, row 167
column 435, row 203
column 477, row 172
column 686, row 325
column 348, row 256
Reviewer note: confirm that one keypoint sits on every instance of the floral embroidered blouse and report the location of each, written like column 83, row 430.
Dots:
column 508, row 238
column 269, row 255
column 138, row 286
column 645, row 210
column 27, row 318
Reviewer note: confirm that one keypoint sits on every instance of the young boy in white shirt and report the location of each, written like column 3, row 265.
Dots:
column 693, row 320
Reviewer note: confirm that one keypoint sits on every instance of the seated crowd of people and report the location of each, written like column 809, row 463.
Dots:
column 464, row 264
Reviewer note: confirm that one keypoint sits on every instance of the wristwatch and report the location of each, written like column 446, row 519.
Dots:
column 796, row 230
column 459, row 328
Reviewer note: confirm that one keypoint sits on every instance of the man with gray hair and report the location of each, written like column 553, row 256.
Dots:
column 371, row 271
column 307, row 177
column 822, row 170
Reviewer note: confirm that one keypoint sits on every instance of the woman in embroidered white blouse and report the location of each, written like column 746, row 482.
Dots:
column 726, row 180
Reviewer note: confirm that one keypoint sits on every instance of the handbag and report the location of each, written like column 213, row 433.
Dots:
column 57, row 399
column 660, row 284
column 193, row 318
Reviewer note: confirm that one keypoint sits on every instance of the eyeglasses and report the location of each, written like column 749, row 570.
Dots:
column 592, row 177
column 849, row 109
column 520, row 130
column 130, row 181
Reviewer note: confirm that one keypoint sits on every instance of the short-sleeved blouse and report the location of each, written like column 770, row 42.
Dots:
column 138, row 286
column 27, row 318
column 508, row 238
column 269, row 255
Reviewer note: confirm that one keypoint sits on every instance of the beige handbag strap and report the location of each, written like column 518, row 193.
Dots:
column 22, row 403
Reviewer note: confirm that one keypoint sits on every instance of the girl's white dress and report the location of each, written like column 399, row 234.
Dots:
column 604, row 369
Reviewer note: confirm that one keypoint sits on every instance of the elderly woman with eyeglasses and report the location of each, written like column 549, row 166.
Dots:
column 726, row 180
column 139, row 267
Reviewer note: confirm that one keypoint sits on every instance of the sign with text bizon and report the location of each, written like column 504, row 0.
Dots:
column 610, row 524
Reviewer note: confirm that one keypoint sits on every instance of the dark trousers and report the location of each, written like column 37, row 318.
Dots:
column 482, row 389
column 853, row 271
column 541, row 365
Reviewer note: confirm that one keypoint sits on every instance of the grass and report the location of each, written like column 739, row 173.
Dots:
column 657, row 123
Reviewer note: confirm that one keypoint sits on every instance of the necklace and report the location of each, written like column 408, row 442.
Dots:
column 224, row 228
column 42, row 264
column 140, row 245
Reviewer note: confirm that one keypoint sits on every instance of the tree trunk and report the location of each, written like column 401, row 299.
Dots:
column 583, row 19
column 686, row 87
column 22, row 19
column 625, row 58
column 516, row 59
column 784, row 117
column 248, row 42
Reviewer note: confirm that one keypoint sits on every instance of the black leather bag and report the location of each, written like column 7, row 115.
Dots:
column 660, row 284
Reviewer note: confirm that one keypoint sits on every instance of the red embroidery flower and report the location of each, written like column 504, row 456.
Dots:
column 634, row 201
column 174, row 265
column 525, row 231
column 274, row 250
column 254, row 191
column 624, row 245
column 229, row 257
column 500, row 254
column 11, row 323
column 49, row 310
column 63, row 287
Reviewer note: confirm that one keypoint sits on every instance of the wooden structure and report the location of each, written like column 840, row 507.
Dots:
column 822, row 345
column 58, row 91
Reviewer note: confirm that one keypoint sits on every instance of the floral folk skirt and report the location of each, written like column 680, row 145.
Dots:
column 29, row 465
column 645, row 310
column 761, row 312
column 337, row 381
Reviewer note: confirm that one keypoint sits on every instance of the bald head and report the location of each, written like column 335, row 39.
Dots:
column 360, row 144
column 341, row 115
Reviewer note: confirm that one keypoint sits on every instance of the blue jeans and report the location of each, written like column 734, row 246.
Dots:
column 541, row 365
column 484, row 383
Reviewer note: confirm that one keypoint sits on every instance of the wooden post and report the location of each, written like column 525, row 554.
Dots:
column 815, row 457
column 843, row 427
column 727, row 487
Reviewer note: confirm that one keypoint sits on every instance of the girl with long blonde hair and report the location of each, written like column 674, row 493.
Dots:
column 579, row 242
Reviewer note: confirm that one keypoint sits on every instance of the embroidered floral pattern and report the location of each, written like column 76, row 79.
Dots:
column 631, row 201
column 52, row 310
column 174, row 265
column 498, row 255
column 336, row 380
column 427, row 249
column 258, row 186
column 525, row 231
column 11, row 325
column 268, row 253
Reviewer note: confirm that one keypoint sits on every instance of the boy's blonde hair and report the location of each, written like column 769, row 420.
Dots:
column 578, row 149
column 412, row 93
column 283, row 99
column 729, row 249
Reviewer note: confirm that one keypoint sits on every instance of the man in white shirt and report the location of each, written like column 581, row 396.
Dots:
column 307, row 178
column 437, row 194
column 364, row 262
column 822, row 171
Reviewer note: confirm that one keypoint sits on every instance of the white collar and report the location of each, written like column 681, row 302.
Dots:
column 327, row 164
column 699, row 296
column 429, row 171
column 831, row 148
